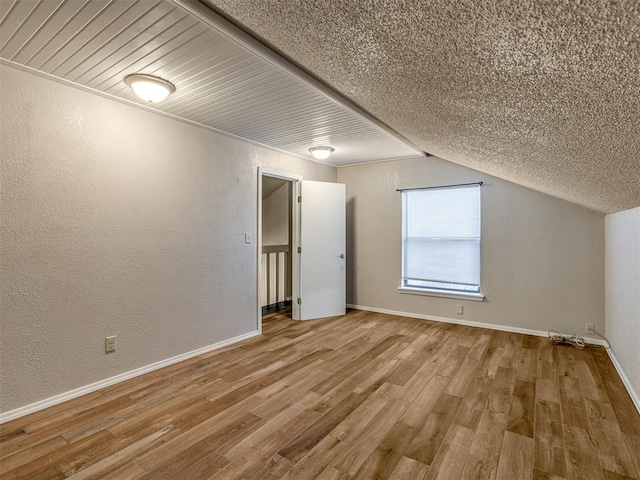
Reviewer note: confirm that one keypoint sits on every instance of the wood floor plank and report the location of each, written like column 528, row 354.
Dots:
column 314, row 461
column 419, row 345
column 491, row 360
column 452, row 454
column 607, row 370
column 484, row 454
column 427, row 441
column 307, row 440
column 272, row 468
column 365, row 395
column 539, row 475
column 574, row 411
column 516, row 458
column 567, row 363
column 547, row 382
column 581, row 455
column 474, row 402
column 481, row 344
column 128, row 471
column 527, row 363
column 331, row 473
column 123, row 456
column 591, row 384
column 614, row 476
column 44, row 430
column 522, row 409
column 357, row 420
column 399, row 438
column 50, row 459
column 547, row 353
column 214, row 433
column 512, row 345
column 23, row 457
column 272, row 435
column 380, row 464
column 609, row 440
column 409, row 468
column 623, row 406
column 189, row 464
column 349, row 385
column 501, row 394
column 426, row 400
column 549, row 448
column 234, row 469
column 411, row 389
column 460, row 381
column 351, row 458
column 633, row 444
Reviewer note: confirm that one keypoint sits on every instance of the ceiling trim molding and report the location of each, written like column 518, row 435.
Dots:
column 242, row 38
column 385, row 160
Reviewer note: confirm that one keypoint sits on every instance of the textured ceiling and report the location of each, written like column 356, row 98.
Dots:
column 544, row 93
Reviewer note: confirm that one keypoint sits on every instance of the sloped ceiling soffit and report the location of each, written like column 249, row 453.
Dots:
column 544, row 93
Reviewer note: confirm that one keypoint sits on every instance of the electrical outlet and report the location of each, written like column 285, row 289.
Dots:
column 589, row 328
column 459, row 309
column 110, row 344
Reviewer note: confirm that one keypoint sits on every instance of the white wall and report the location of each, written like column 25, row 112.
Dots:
column 542, row 258
column 118, row 221
column 275, row 217
column 622, row 298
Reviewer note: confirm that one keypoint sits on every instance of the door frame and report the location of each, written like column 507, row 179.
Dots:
column 296, row 181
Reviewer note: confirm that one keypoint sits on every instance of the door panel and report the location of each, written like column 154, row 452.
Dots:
column 322, row 261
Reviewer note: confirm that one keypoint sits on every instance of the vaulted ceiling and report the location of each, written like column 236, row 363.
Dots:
column 544, row 93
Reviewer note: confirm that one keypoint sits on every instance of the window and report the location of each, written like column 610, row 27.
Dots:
column 441, row 240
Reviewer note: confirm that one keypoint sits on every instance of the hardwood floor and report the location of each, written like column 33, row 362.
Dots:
column 362, row 396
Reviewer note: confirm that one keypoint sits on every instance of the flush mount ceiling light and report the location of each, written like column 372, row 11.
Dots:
column 149, row 88
column 321, row 153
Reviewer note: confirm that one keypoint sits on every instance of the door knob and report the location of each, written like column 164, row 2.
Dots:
column 341, row 255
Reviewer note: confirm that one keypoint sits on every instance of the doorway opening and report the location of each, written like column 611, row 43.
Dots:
column 305, row 262
column 278, row 238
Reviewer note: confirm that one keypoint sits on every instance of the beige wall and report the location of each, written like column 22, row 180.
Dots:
column 275, row 217
column 623, row 293
column 117, row 221
column 542, row 258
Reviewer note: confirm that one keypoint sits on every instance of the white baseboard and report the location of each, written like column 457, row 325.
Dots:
column 467, row 323
column 632, row 393
column 506, row 328
column 63, row 397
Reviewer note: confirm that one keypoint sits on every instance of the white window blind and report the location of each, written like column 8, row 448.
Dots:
column 441, row 239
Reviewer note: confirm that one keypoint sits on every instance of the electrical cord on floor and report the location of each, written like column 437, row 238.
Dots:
column 556, row 338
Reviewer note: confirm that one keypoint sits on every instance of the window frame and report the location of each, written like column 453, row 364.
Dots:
column 438, row 292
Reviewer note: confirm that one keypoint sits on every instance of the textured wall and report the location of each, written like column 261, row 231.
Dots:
column 117, row 221
column 622, row 273
column 542, row 258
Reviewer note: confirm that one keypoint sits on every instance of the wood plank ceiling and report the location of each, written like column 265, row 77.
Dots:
column 223, row 83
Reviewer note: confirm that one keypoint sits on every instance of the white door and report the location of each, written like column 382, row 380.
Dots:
column 322, row 260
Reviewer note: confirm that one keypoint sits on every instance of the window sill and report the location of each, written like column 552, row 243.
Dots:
column 475, row 297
